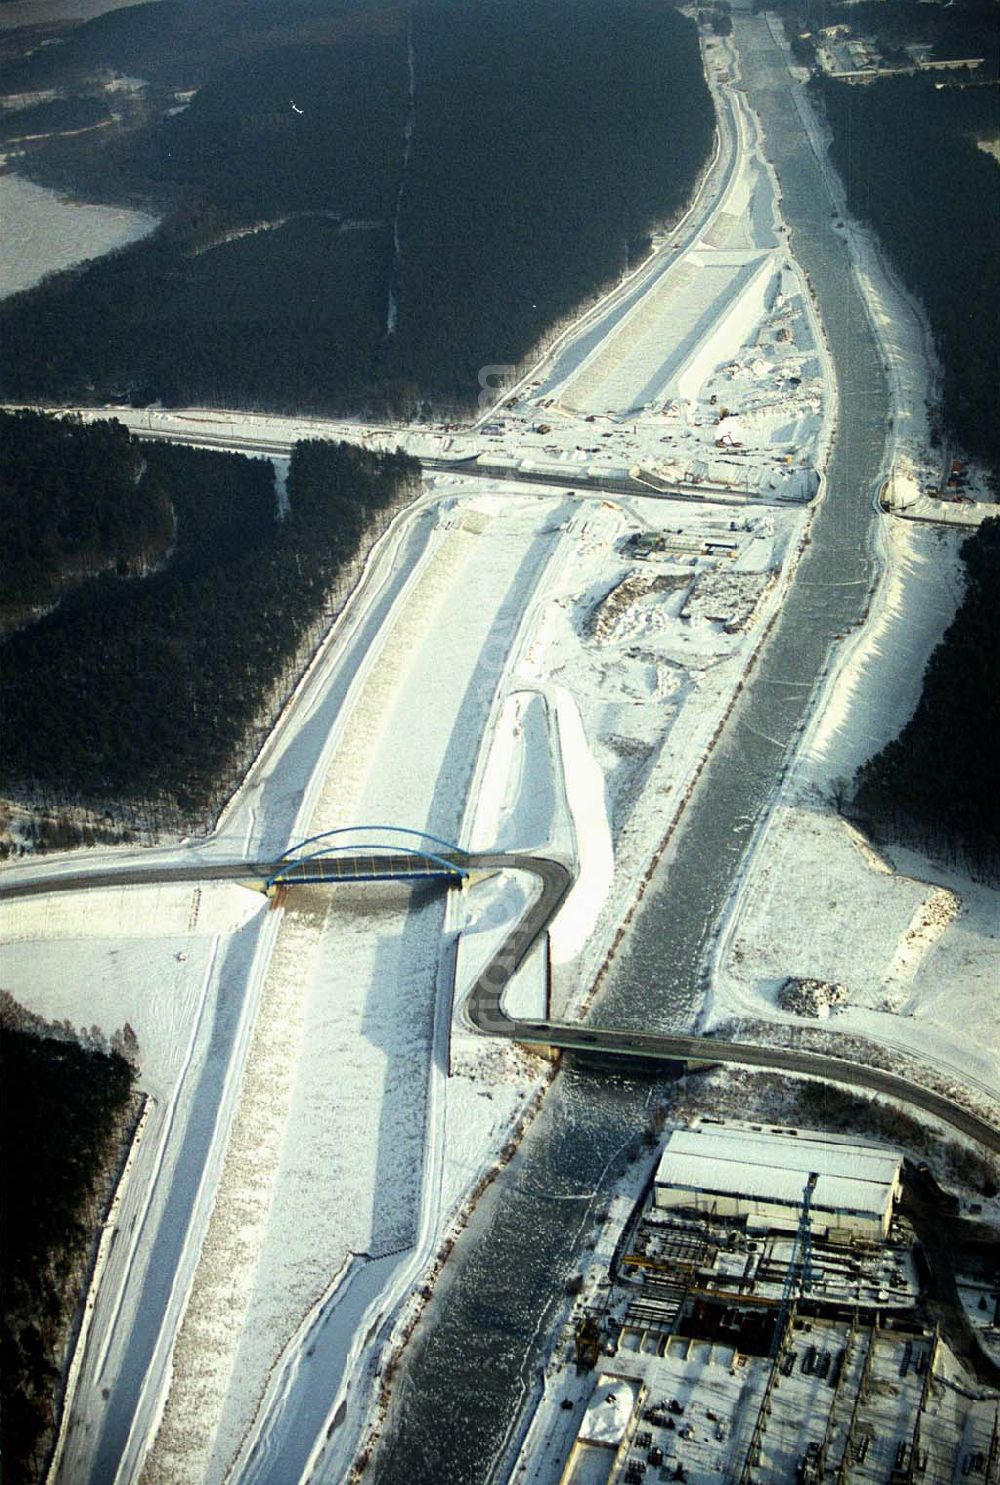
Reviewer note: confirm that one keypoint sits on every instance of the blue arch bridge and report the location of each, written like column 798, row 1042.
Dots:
column 327, row 857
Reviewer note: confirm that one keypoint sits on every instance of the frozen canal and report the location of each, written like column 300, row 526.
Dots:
column 471, row 1372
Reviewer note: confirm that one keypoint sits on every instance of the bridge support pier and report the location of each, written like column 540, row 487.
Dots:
column 540, row 1049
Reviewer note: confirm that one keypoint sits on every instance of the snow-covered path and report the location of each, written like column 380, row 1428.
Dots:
column 408, row 128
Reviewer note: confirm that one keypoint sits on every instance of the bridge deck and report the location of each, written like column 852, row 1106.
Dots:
column 373, row 867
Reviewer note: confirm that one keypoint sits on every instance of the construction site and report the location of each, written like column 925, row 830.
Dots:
column 770, row 1321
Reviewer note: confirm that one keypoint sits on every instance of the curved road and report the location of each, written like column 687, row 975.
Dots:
column 484, row 1010
column 483, row 1007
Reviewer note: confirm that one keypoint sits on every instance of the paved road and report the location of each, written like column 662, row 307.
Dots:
column 790, row 1059
column 483, row 1008
column 471, row 469
column 354, row 866
column 134, row 876
column 616, row 484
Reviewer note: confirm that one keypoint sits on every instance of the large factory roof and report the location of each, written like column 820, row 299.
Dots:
column 775, row 1166
column 769, row 1183
column 805, row 1151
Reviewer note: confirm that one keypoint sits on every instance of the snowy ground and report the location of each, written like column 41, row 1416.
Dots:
column 619, row 684
column 338, row 1139
column 168, row 961
column 42, row 232
column 517, row 617
column 526, row 621
column 136, row 954
column 913, row 945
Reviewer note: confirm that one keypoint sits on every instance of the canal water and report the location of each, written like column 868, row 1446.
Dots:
column 472, row 1363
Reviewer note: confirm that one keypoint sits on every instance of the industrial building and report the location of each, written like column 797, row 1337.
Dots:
column 736, row 1172
column 770, row 1328
column 764, row 1304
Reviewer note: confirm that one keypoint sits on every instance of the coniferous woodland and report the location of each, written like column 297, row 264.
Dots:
column 59, row 114
column 67, row 1106
column 149, row 695
column 934, row 786
column 548, row 138
column 907, row 152
column 72, row 504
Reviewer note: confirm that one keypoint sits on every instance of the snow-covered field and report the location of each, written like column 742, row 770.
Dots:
column 136, row 954
column 338, row 1142
column 635, row 647
column 524, row 680
column 42, row 232
column 914, row 946
column 528, row 609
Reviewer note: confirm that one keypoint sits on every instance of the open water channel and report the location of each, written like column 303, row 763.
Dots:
column 473, row 1362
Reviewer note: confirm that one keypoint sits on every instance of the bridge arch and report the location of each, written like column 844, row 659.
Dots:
column 423, row 835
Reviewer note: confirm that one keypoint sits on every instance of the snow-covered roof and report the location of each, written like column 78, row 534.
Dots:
column 771, row 1183
column 802, row 1152
column 775, row 1167
column 609, row 1411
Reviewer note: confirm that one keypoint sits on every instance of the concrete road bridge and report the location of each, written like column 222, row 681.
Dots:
column 317, row 861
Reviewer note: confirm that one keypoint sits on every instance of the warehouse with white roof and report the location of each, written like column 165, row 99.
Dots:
column 736, row 1171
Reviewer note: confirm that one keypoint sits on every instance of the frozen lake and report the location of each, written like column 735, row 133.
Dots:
column 41, row 232
column 47, row 12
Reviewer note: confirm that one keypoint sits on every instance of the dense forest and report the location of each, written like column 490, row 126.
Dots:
column 238, row 152
column 72, row 504
column 57, row 114
column 66, row 1108
column 179, row 43
column 934, row 787
column 149, row 696
column 907, row 153
column 549, row 138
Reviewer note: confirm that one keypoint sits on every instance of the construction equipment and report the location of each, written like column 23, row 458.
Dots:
column 799, row 1274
